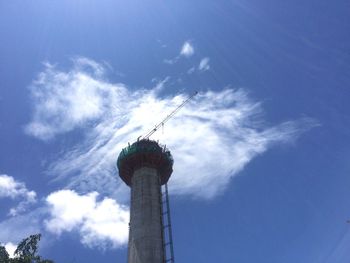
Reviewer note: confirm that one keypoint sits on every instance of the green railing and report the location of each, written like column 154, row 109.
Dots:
column 144, row 147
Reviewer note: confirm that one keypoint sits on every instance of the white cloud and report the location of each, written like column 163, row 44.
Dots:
column 9, row 187
column 62, row 108
column 13, row 189
column 217, row 127
column 10, row 248
column 187, row 49
column 171, row 61
column 191, row 70
column 100, row 223
column 204, row 64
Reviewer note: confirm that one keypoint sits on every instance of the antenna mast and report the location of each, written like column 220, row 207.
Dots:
column 149, row 134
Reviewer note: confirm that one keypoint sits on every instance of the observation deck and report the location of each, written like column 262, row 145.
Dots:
column 145, row 153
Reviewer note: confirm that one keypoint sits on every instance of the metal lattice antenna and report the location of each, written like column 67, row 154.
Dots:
column 149, row 134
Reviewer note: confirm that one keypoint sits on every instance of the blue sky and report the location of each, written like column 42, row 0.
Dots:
column 261, row 169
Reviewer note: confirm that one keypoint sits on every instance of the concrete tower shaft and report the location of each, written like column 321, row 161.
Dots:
column 145, row 166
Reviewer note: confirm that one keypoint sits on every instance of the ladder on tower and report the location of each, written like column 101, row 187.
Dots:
column 168, row 247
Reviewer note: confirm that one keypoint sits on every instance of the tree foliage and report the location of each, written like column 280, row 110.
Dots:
column 4, row 256
column 26, row 252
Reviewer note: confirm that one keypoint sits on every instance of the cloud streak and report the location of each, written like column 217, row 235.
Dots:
column 218, row 127
column 204, row 64
column 212, row 139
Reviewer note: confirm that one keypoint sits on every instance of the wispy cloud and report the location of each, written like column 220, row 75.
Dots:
column 204, row 64
column 191, row 70
column 62, row 108
column 187, row 49
column 14, row 229
column 218, row 127
column 212, row 139
column 13, row 189
column 93, row 219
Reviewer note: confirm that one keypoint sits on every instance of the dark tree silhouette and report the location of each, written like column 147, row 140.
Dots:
column 4, row 256
column 25, row 252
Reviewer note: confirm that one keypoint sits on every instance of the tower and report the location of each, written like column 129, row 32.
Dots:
column 145, row 166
